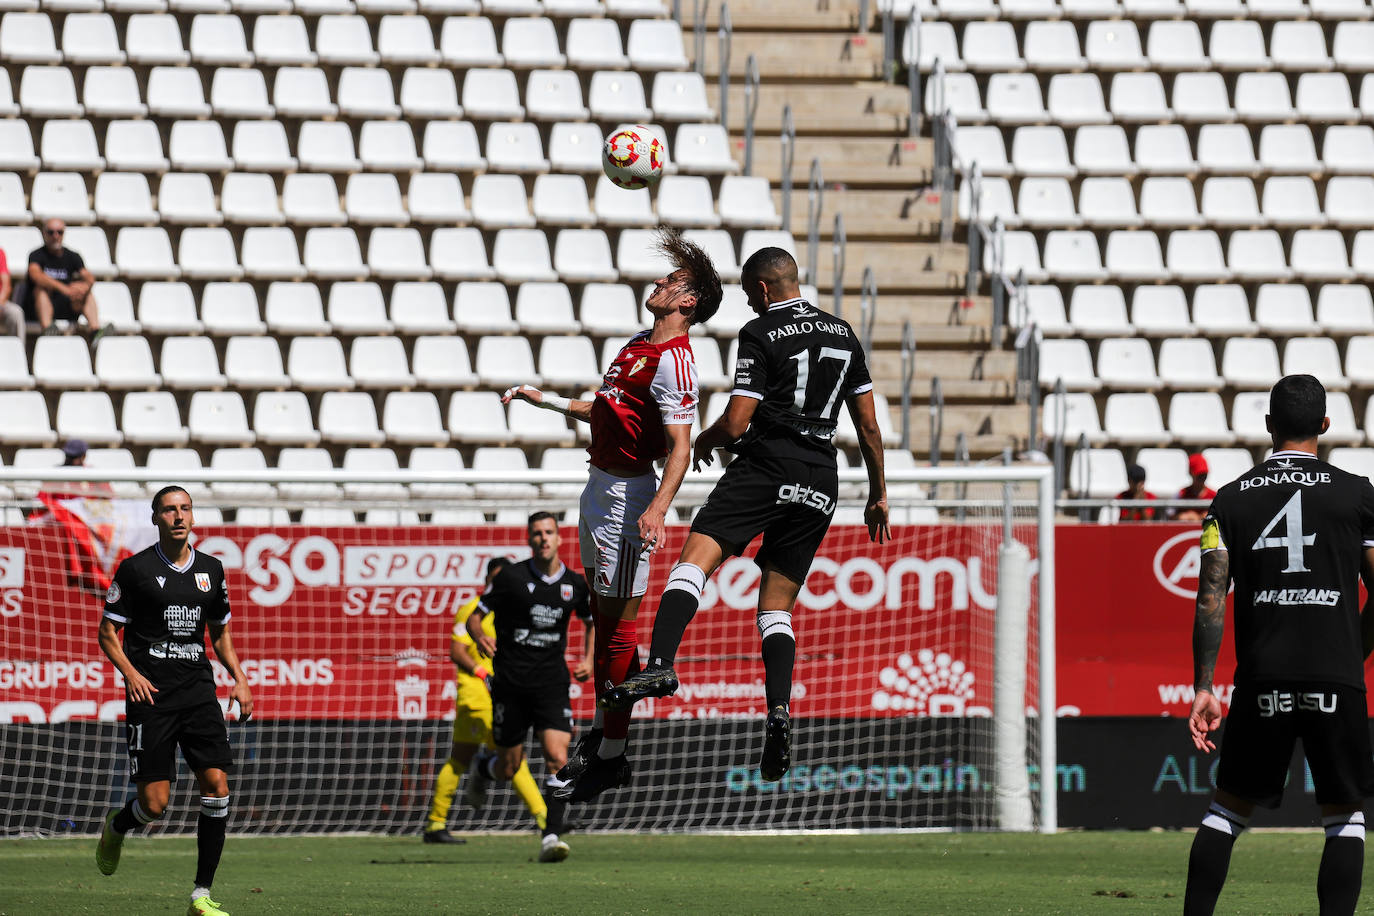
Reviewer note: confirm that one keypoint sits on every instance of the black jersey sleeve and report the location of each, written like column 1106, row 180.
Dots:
column 858, row 380
column 116, row 608
column 1367, row 513
column 218, row 612
column 495, row 593
column 582, row 597
column 751, row 366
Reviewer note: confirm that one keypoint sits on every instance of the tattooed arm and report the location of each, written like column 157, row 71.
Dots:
column 1209, row 623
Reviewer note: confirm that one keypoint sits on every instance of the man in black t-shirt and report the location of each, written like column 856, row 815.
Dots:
column 59, row 284
column 164, row 599
column 797, row 367
column 533, row 602
column 1296, row 536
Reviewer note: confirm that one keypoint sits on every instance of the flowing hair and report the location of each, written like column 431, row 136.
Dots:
column 702, row 280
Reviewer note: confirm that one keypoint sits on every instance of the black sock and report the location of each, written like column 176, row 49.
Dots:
column 675, row 611
column 1210, row 859
column 125, row 821
column 779, row 655
column 553, row 821
column 1342, row 868
column 210, row 839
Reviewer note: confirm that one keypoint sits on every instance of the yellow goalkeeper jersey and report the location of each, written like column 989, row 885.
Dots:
column 466, row 682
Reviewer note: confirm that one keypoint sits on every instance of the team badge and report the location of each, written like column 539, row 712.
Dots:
column 566, row 591
column 639, row 364
column 112, row 594
column 203, row 581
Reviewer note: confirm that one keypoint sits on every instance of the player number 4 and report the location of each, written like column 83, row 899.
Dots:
column 803, row 359
column 1289, row 522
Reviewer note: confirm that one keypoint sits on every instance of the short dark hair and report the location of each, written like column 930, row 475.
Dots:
column 1135, row 473
column 771, row 265
column 171, row 488
column 702, row 280
column 1297, row 406
column 539, row 517
column 496, row 564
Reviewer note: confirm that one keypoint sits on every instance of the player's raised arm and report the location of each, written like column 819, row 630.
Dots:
column 863, row 410
column 578, row 410
column 1209, row 624
column 224, row 651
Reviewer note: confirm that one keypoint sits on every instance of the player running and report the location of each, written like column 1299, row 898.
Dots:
column 163, row 599
column 796, row 367
column 643, row 412
column 1295, row 535
column 532, row 603
column 472, row 726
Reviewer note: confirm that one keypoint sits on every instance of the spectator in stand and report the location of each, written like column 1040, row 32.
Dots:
column 1198, row 489
column 59, row 284
column 1135, row 489
column 74, row 452
column 11, row 315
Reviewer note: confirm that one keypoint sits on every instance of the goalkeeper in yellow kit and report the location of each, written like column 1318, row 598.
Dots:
column 472, row 727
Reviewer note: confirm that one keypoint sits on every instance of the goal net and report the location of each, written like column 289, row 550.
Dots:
column 919, row 700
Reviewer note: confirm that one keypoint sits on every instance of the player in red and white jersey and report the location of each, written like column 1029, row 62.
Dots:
column 643, row 412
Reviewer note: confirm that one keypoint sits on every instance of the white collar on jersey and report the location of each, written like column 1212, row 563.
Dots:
column 181, row 569
column 1292, row 453
column 787, row 303
column 548, row 580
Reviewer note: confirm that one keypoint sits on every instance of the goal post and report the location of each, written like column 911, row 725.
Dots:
column 924, row 694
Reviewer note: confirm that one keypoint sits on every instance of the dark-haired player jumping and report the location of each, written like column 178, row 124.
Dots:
column 1295, row 535
column 164, row 598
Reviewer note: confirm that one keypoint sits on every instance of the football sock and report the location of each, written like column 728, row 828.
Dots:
column 528, row 790
column 556, row 806
column 1210, row 859
column 1342, row 868
column 214, row 817
column 445, row 787
column 779, row 655
column 678, row 606
column 131, row 817
column 617, row 657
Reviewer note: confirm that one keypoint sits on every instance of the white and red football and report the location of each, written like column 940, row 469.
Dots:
column 633, row 157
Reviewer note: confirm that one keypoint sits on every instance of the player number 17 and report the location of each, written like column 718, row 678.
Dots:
column 1289, row 522
column 803, row 358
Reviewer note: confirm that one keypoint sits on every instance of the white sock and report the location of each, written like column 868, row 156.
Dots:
column 199, row 892
column 610, row 747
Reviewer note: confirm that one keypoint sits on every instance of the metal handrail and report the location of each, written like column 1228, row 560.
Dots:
column 1060, row 416
column 889, row 45
column 943, row 127
column 838, row 249
column 862, row 25
column 961, row 458
column 937, row 419
column 751, row 110
column 868, row 307
column 908, row 374
column 677, row 11
column 699, row 34
column 788, row 139
column 911, row 56
column 724, row 40
column 815, row 204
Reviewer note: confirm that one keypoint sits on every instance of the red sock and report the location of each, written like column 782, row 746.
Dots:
column 617, row 657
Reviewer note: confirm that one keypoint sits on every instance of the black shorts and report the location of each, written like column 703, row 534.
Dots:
column 153, row 734
column 61, row 307
column 516, row 708
column 1264, row 724
column 789, row 502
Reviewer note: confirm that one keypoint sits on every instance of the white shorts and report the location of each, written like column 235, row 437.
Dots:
column 608, row 532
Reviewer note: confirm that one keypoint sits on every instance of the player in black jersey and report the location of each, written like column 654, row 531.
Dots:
column 1295, row 535
column 164, row 599
column 797, row 367
column 533, row 603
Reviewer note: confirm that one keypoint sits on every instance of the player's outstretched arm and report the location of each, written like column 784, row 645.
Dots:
column 1367, row 614
column 140, row 689
column 578, row 410
column 1209, row 624
column 651, row 523
column 732, row 424
column 865, row 415
column 224, row 651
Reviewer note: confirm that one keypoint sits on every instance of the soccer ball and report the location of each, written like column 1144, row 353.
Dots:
column 633, row 157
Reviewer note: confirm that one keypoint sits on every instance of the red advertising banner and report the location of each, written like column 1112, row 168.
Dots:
column 354, row 622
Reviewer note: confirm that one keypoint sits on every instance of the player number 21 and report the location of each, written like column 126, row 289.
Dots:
column 1288, row 521
column 803, row 358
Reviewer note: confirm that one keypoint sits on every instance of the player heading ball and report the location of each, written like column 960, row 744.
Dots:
column 163, row 600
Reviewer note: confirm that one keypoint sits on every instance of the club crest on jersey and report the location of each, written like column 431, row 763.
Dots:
column 203, row 581
column 112, row 594
column 639, row 364
column 565, row 591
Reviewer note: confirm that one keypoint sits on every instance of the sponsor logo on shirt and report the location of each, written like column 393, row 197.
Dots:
column 1277, row 701
column 1296, row 597
column 806, row 496
column 161, row 581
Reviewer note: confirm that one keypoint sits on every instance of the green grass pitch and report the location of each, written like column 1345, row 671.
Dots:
column 1271, row 873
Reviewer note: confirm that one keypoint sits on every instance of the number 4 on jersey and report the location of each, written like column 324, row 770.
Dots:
column 1289, row 519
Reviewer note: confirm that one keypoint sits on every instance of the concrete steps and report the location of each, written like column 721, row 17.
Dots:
column 868, row 108
column 802, row 56
column 764, row 15
column 908, row 267
column 868, row 214
column 875, row 162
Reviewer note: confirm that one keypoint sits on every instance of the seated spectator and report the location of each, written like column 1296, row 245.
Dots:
column 11, row 315
column 1135, row 479
column 59, row 284
column 1198, row 489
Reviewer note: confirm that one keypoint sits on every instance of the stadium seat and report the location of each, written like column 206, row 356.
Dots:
column 678, row 97
column 573, row 460
column 125, row 363
column 1106, row 203
column 656, row 44
column 1113, row 45
column 345, row 41
column 1315, row 356
column 291, row 459
column 1139, row 97
column 240, row 93
column 747, row 203
column 27, row 38
column 1052, row 46
column 176, row 92
column 1176, row 45
column 429, row 92
column 397, row 253
column 446, row 461
column 14, row 365
column 231, row 308
column 1362, row 254
column 167, row 308
column 469, row 41
column 1359, row 362
column 261, row 146
column 560, row 200
column 283, row 418
column 1099, row 311
column 1288, row 148
column 1222, row 310
column 1237, row 45
column 492, row 95
column 1097, row 473
column 500, row 201
column 1292, row 201
column 302, row 92
column 208, row 254
column 269, row 253
column 380, row 363
column 452, row 146
column 26, row 418
column 282, row 41
column 67, row 146
column 326, row 146
column 553, row 95
column 333, row 253
column 683, row 200
column 406, row 41
column 520, row 255
column 1355, row 460
column 1014, row 98
column 420, row 308
column 413, row 418
column 504, row 361
column 545, row 308
column 1127, row 364
column 926, row 42
column 1021, row 252
column 152, row 418
column 530, row 43
column 63, row 362
column 242, row 459
column 219, row 418
column 87, row 415
column 356, row 307
column 122, row 198
column 1345, row 309
column 617, row 95
column 1230, row 202
column 13, row 202
column 442, row 362
column 983, row 145
column 1076, row 98
column 1248, row 411
column 1263, row 97
column 1102, row 150
column 1166, row 469
column 190, row 364
column 1283, row 309
column 1073, row 255
column 504, row 459
column 245, row 198
column 531, row 426
column 1352, row 46
column 477, row 417
column 701, row 149
column 295, row 308
column 1250, row 362
column 459, row 254
column 1072, row 416
column 1349, row 201
column 112, row 92
column 1199, row 418
column 1134, row 256
column 1257, row 254
column 1041, row 151
column 1069, row 362
column 312, row 199
column 254, row 362
column 116, row 306
column 608, row 310
column 1299, row 46
column 218, row 40
column 1319, row 254
column 317, row 364
column 960, row 96
column 349, row 418
column 991, row 47
column 568, row 362
column 61, row 195
column 1163, row 149
column 198, row 146
column 594, row 44
column 1189, row 363
column 130, row 146
column 1201, row 97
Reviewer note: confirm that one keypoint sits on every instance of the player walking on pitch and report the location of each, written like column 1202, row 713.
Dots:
column 1295, row 535
column 532, row 602
column 164, row 598
column 796, row 367
column 643, row 412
